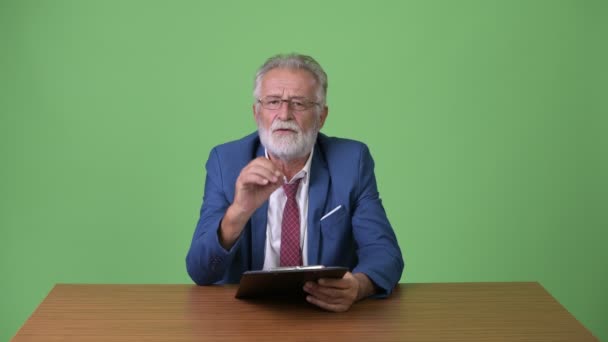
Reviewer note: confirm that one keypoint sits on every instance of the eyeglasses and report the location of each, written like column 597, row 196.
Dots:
column 297, row 104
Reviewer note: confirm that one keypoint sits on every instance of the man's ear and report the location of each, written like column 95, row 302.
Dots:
column 254, row 112
column 323, row 116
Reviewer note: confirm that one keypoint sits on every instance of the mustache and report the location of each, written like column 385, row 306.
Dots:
column 278, row 124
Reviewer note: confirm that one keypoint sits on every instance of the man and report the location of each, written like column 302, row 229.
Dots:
column 288, row 195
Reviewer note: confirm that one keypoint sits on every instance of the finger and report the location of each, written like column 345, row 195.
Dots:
column 330, row 294
column 263, row 170
column 327, row 299
column 267, row 164
column 326, row 294
column 253, row 178
column 340, row 283
column 264, row 173
column 326, row 306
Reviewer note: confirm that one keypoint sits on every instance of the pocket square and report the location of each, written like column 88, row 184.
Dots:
column 331, row 212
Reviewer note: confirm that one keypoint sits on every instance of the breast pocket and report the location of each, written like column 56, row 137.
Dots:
column 335, row 224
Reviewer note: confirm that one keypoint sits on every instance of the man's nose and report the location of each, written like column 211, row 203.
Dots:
column 284, row 112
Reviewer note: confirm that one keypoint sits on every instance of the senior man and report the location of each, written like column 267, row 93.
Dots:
column 288, row 195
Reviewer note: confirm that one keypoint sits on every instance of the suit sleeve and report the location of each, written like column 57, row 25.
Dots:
column 379, row 255
column 207, row 260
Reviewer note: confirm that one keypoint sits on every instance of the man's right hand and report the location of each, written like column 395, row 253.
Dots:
column 256, row 182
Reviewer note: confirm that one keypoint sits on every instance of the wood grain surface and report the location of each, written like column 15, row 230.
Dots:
column 415, row 312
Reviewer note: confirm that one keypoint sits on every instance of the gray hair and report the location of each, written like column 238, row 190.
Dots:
column 294, row 61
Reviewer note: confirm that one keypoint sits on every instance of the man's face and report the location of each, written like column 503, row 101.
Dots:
column 287, row 133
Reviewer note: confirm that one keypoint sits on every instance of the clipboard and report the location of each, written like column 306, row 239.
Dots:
column 283, row 281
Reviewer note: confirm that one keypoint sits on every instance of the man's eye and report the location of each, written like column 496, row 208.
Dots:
column 273, row 102
column 298, row 103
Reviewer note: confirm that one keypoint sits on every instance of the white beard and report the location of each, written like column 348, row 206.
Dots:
column 291, row 146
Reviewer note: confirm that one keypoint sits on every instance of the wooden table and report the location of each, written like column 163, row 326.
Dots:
column 415, row 312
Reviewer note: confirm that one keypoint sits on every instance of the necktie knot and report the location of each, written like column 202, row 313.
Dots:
column 291, row 189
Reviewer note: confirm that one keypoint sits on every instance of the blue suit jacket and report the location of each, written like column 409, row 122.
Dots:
column 358, row 235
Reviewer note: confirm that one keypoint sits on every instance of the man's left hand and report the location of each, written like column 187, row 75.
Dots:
column 338, row 295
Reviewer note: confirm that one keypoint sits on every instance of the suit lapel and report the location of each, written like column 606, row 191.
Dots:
column 317, row 195
column 258, row 228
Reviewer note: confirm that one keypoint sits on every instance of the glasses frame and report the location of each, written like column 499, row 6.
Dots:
column 309, row 104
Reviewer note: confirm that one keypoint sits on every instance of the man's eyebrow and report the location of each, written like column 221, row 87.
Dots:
column 291, row 97
column 272, row 96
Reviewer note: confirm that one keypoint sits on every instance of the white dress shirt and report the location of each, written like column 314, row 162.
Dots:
column 276, row 204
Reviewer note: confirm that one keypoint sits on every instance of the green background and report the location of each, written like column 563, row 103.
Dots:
column 487, row 121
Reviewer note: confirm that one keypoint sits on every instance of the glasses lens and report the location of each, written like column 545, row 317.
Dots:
column 299, row 104
column 271, row 102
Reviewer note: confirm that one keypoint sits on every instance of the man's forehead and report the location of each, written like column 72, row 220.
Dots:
column 280, row 80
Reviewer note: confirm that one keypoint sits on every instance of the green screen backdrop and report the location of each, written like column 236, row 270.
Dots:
column 487, row 121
